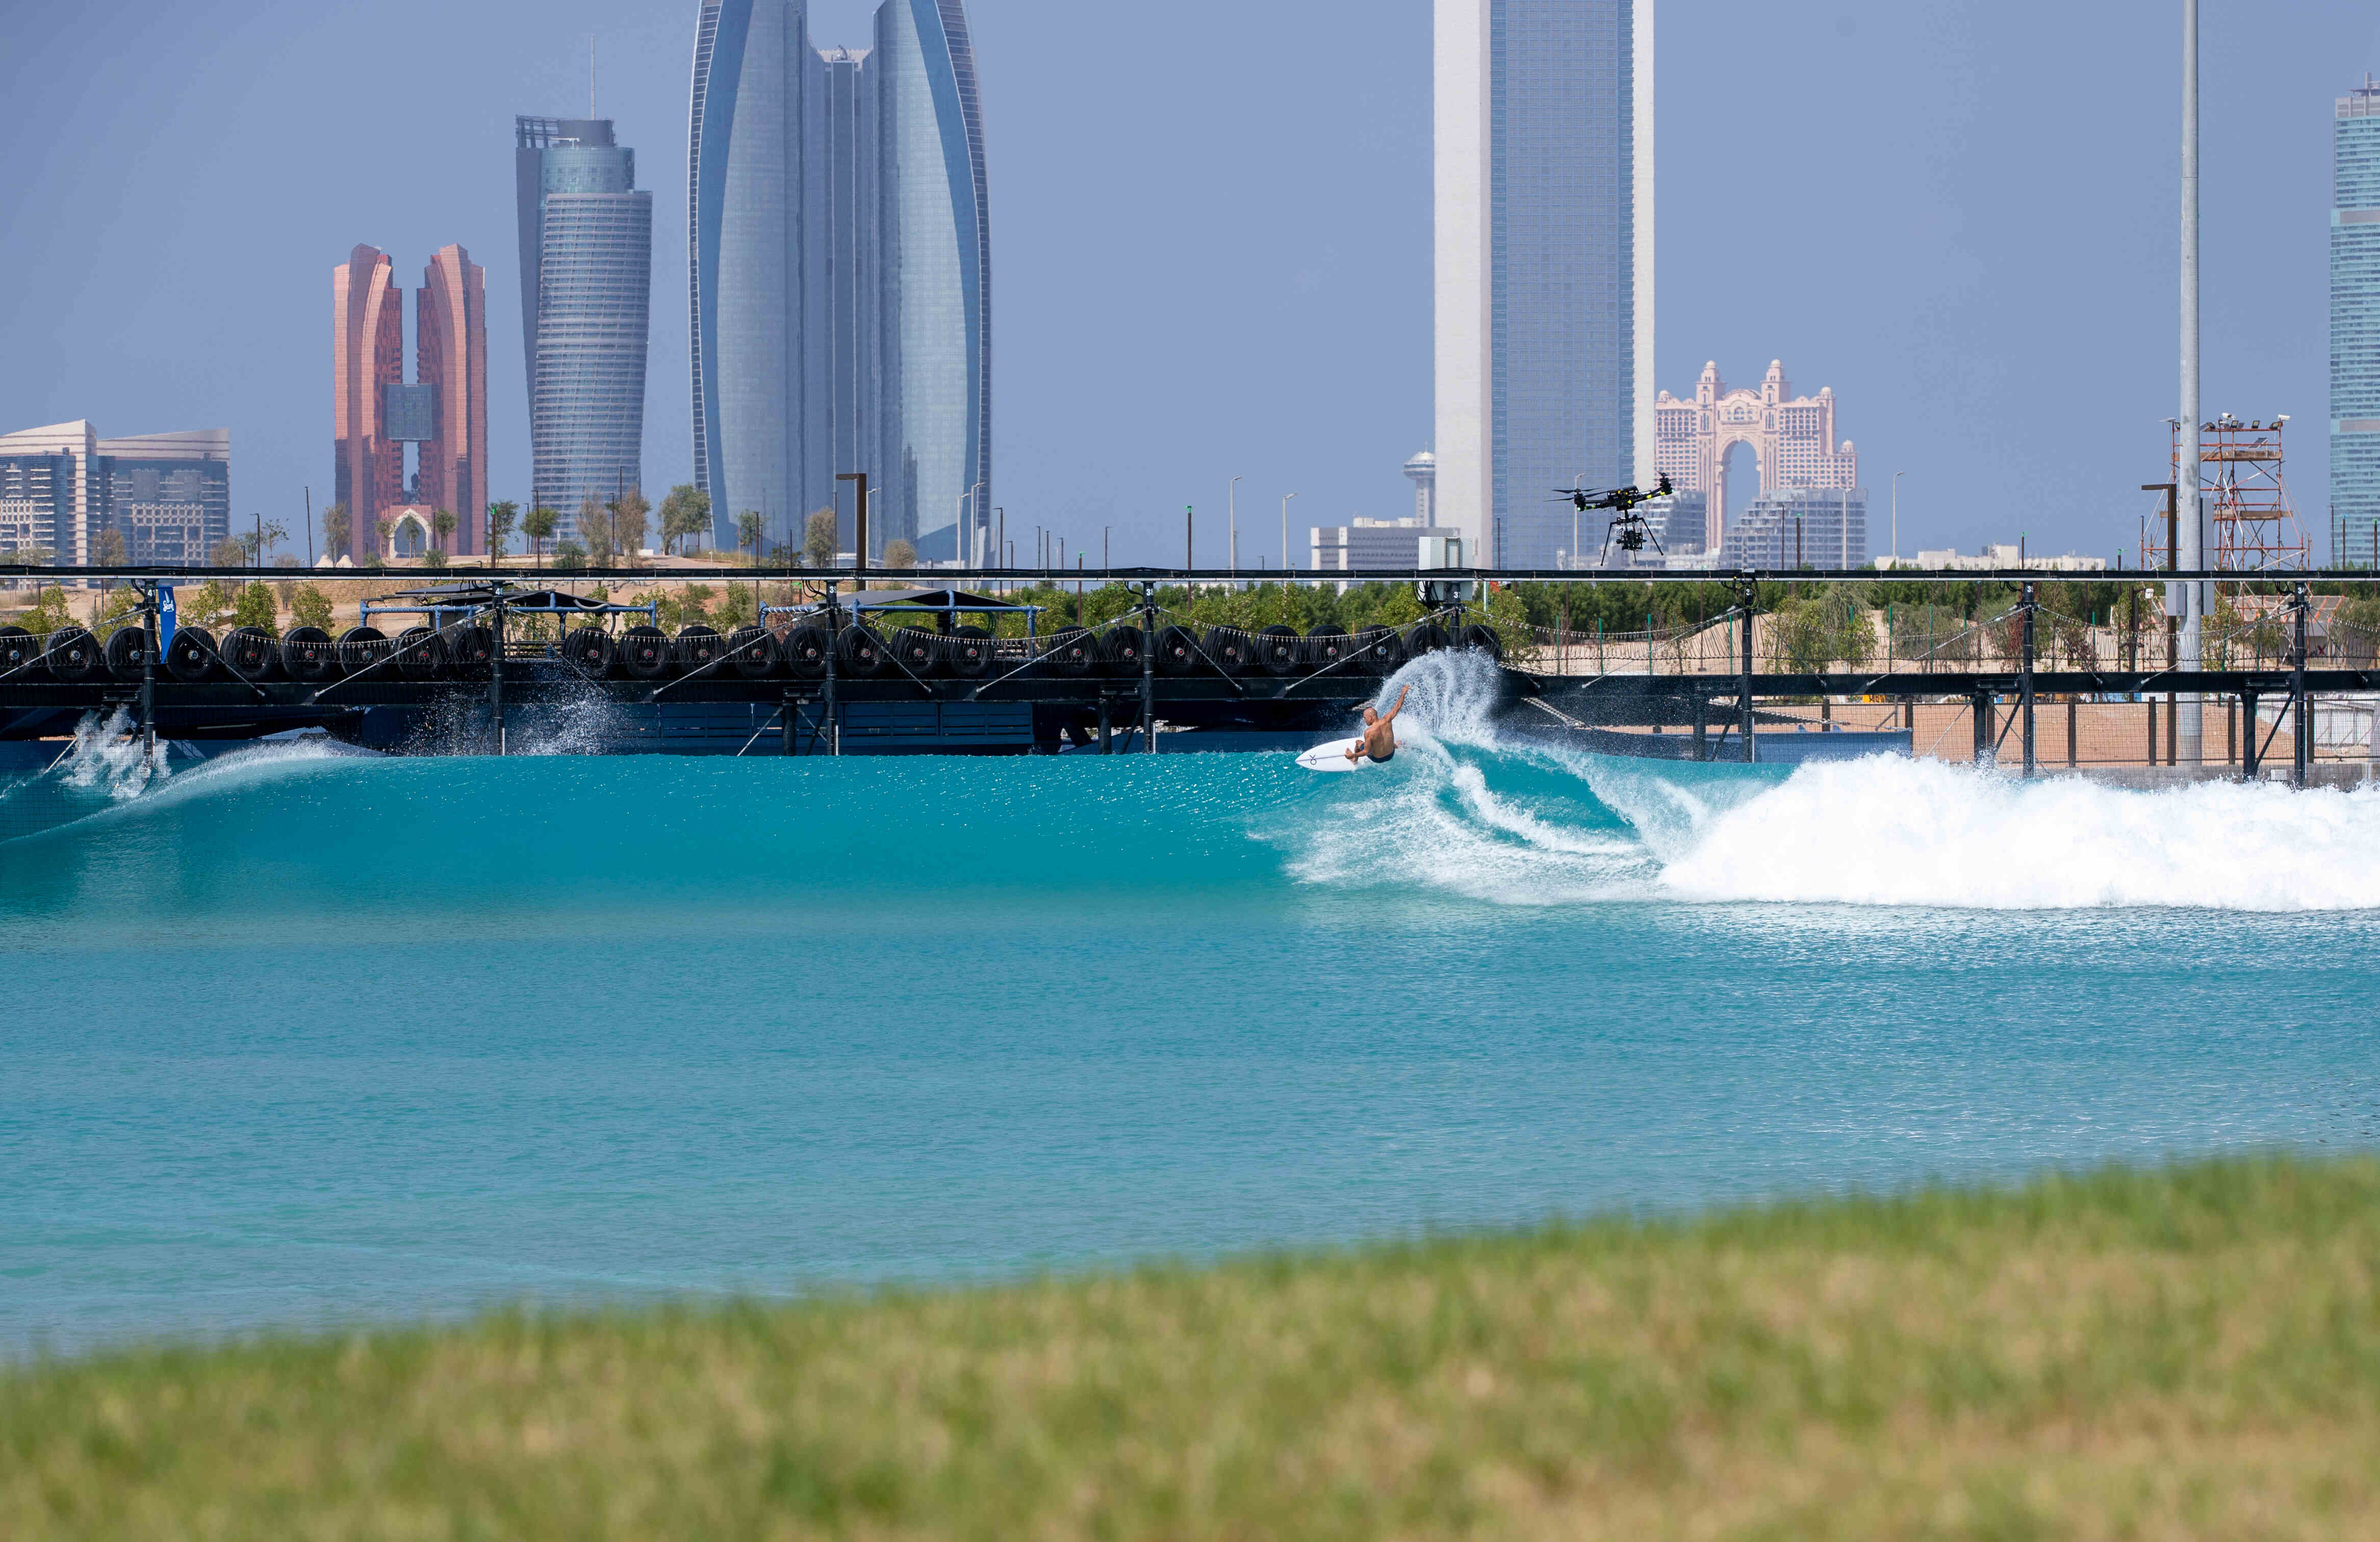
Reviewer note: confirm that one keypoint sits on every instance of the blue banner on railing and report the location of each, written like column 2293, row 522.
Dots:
column 165, row 616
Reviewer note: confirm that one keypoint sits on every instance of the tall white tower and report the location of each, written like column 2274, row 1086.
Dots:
column 1540, row 377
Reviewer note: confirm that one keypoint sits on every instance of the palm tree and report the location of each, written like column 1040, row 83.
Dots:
column 442, row 523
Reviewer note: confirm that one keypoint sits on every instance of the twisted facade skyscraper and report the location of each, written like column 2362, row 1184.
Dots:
column 841, row 281
column 586, row 270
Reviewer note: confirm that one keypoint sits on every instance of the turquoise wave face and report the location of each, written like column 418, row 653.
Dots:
column 296, row 1036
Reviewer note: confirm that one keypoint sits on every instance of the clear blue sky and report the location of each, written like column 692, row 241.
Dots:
column 1211, row 234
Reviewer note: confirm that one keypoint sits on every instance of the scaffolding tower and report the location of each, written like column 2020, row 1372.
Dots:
column 2256, row 527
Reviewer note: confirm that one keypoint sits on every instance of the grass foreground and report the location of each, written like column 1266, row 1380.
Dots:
column 2188, row 1353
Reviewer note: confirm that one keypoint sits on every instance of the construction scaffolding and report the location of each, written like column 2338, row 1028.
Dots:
column 2256, row 527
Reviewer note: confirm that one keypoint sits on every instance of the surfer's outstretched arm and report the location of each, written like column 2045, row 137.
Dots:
column 1389, row 715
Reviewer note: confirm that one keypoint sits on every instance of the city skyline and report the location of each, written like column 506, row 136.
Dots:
column 1288, row 238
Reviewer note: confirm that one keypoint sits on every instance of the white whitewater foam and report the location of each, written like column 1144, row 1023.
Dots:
column 1890, row 832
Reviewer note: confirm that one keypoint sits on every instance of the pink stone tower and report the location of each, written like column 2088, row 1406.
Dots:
column 450, row 324
column 367, row 353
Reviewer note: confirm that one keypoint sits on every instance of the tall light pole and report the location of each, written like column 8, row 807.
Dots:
column 1577, row 479
column 1896, row 516
column 1234, row 553
column 1285, row 563
column 2190, row 596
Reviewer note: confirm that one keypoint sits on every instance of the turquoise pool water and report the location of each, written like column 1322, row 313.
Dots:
column 298, row 1037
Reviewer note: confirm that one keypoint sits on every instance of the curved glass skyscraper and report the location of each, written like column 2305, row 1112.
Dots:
column 841, row 276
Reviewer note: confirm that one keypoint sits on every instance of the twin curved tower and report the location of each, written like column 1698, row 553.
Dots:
column 841, row 274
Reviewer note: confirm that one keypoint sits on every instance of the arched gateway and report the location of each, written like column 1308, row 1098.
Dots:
column 1791, row 439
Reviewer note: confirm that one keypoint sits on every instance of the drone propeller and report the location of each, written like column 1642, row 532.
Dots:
column 1620, row 498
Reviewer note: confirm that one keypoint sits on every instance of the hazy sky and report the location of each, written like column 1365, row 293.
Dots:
column 1211, row 234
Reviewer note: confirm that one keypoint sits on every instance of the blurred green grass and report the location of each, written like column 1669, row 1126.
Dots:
column 2184, row 1352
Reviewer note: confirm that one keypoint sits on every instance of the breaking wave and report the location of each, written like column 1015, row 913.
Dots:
column 1524, row 821
column 1466, row 815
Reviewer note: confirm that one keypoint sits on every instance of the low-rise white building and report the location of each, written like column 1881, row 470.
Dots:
column 1362, row 543
column 1999, row 557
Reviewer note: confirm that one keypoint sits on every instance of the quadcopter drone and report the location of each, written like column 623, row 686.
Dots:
column 1628, row 530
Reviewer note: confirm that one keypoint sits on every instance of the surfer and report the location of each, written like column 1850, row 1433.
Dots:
column 1376, row 741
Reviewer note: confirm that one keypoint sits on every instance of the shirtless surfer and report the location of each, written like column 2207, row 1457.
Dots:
column 1378, row 742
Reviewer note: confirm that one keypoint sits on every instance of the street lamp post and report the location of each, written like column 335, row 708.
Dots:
column 1896, row 516
column 1233, row 556
column 2189, row 600
column 1285, row 563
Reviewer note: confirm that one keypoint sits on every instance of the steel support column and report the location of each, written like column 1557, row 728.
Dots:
column 1148, row 666
column 2301, row 724
column 2025, row 689
column 2248, row 739
column 496, row 682
column 833, row 725
column 148, row 679
column 1751, row 593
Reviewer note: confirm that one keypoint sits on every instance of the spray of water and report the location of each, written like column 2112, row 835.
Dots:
column 109, row 755
column 588, row 722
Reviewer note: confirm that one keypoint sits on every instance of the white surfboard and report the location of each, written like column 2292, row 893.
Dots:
column 1332, row 756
